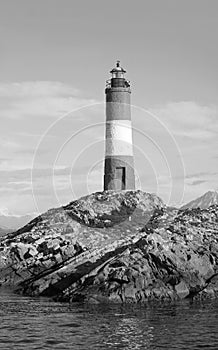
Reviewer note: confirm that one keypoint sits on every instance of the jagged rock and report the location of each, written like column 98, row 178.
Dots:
column 182, row 290
column 115, row 247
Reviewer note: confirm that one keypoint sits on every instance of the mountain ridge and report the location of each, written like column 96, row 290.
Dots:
column 205, row 201
column 13, row 222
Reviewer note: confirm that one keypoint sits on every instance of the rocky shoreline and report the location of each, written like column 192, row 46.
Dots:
column 122, row 247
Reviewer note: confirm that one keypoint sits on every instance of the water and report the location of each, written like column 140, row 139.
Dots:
column 28, row 323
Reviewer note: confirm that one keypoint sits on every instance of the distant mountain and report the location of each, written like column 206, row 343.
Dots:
column 4, row 230
column 203, row 202
column 10, row 222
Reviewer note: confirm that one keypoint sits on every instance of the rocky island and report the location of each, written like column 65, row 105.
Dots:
column 122, row 247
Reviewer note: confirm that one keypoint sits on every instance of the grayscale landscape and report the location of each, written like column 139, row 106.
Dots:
column 108, row 175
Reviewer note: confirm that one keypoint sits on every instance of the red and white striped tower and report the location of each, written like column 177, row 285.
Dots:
column 119, row 162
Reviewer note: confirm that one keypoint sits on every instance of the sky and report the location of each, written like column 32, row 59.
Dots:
column 55, row 58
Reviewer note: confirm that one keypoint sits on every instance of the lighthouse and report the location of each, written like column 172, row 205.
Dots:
column 119, row 161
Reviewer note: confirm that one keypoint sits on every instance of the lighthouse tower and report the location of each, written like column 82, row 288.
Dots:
column 119, row 162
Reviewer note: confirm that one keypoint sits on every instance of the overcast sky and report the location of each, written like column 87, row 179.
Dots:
column 55, row 58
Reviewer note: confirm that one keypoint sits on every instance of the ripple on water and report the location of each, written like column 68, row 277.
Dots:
column 28, row 323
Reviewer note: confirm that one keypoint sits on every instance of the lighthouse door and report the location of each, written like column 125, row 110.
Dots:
column 120, row 178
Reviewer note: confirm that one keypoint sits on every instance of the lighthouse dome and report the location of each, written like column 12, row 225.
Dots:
column 118, row 69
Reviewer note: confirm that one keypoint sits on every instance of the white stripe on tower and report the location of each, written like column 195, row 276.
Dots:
column 119, row 138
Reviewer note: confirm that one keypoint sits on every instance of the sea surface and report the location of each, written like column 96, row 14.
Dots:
column 38, row 323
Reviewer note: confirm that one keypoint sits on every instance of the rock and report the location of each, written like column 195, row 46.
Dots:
column 90, row 250
column 182, row 290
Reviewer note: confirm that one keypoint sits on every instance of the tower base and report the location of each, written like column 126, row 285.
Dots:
column 119, row 173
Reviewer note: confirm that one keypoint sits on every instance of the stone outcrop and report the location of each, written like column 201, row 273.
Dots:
column 115, row 247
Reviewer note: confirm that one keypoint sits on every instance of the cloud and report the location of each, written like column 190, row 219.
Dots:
column 39, row 98
column 194, row 128
column 27, row 110
column 197, row 182
column 202, row 174
column 20, row 175
column 28, row 179
column 189, row 119
column 36, row 89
